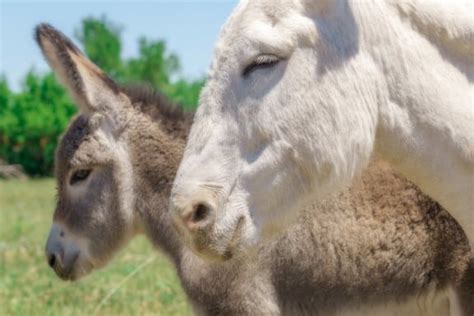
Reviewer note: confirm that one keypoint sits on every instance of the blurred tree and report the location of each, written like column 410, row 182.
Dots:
column 156, row 66
column 31, row 122
column 186, row 92
column 100, row 39
column 153, row 64
column 32, row 119
column 4, row 94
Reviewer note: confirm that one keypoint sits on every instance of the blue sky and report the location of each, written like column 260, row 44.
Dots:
column 190, row 29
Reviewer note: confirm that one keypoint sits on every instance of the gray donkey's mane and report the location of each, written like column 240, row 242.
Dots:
column 155, row 104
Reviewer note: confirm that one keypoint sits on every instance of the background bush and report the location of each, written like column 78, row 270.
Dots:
column 32, row 119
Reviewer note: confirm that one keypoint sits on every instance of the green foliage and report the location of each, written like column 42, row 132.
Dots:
column 154, row 64
column 157, row 67
column 185, row 93
column 100, row 40
column 32, row 120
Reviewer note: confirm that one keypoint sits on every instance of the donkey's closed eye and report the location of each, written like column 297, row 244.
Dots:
column 79, row 175
column 262, row 61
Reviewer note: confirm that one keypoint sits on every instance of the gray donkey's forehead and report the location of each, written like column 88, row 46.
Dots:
column 77, row 132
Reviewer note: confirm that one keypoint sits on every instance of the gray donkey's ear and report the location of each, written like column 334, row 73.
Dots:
column 91, row 88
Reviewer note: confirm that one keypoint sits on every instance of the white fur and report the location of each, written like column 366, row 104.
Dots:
column 356, row 78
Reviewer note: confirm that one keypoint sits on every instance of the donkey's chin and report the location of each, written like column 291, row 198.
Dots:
column 226, row 243
column 79, row 269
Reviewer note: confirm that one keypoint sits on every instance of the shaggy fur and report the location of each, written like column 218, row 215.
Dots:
column 301, row 93
column 380, row 247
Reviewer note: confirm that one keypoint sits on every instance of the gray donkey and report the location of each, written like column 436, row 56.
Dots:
column 380, row 247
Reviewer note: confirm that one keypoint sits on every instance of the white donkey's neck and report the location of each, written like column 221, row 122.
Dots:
column 426, row 116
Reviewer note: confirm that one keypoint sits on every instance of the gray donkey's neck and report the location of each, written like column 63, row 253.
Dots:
column 157, row 137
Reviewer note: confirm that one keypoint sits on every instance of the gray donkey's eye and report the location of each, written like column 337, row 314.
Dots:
column 79, row 175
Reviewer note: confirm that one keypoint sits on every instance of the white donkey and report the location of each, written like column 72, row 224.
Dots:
column 301, row 93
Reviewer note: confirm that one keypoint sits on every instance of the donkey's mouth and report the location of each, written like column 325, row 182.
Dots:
column 74, row 270
column 218, row 249
column 235, row 240
column 65, row 271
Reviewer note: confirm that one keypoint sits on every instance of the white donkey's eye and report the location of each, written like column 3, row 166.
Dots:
column 79, row 175
column 262, row 61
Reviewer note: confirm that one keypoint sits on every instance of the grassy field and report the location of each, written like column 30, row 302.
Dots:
column 139, row 281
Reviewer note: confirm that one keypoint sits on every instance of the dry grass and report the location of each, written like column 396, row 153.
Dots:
column 139, row 281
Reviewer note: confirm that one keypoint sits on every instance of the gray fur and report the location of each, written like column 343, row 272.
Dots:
column 379, row 241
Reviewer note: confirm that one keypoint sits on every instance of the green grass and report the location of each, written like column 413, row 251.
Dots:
column 29, row 287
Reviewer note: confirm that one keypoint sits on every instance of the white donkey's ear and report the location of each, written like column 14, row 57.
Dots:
column 91, row 88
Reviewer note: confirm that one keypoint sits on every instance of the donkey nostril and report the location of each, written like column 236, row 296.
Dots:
column 198, row 218
column 200, row 213
column 51, row 260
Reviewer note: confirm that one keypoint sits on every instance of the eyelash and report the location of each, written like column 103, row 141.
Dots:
column 261, row 62
column 79, row 176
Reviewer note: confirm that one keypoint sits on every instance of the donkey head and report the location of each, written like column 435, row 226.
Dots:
column 94, row 214
column 279, row 115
